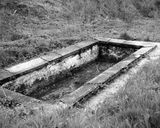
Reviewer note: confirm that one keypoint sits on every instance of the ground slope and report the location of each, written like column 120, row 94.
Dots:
column 32, row 27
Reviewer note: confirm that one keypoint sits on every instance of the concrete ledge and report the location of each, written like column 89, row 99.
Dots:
column 127, row 42
column 103, row 39
column 68, row 50
column 117, row 41
column 144, row 50
column 75, row 96
column 26, row 66
column 120, row 44
column 140, row 43
column 85, row 44
column 51, row 57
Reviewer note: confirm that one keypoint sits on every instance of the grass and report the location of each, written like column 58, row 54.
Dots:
column 33, row 27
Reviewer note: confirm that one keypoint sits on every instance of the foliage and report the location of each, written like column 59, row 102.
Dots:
column 125, row 36
column 147, row 8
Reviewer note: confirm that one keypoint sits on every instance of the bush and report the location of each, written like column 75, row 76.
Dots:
column 125, row 36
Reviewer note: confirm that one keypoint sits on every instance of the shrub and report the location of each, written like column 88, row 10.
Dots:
column 125, row 36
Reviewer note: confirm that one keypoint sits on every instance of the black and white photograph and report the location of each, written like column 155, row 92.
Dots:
column 79, row 63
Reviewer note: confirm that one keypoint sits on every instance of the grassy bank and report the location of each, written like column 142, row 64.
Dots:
column 29, row 28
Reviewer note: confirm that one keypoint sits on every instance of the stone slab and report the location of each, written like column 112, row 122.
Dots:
column 78, row 94
column 103, row 39
column 101, row 78
column 127, row 42
column 140, row 43
column 26, row 66
column 68, row 50
column 143, row 50
column 84, row 44
column 117, row 41
column 51, row 56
